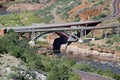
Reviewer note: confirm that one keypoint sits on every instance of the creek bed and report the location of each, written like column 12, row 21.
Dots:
column 99, row 64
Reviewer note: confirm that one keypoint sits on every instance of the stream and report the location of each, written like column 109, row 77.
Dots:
column 97, row 63
column 113, row 66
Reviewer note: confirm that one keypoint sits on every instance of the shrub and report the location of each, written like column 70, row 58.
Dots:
column 109, row 42
column 1, row 5
column 117, row 48
column 84, row 67
column 100, row 16
column 3, row 50
column 12, row 76
column 117, row 76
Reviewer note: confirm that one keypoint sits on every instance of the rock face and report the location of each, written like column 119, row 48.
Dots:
column 86, row 52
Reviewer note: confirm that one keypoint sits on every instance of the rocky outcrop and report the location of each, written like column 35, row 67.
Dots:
column 87, row 52
column 84, row 50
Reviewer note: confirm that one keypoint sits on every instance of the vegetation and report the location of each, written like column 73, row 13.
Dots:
column 102, row 15
column 118, row 19
column 44, row 15
column 41, row 43
column 63, row 12
column 17, row 19
column 63, row 2
column 27, row 18
column 90, row 68
column 55, row 68
column 114, row 39
column 1, row 5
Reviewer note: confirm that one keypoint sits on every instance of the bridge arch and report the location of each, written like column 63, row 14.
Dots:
column 62, row 34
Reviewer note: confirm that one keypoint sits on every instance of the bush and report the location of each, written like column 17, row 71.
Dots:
column 1, row 5
column 74, row 77
column 12, row 76
column 84, row 67
column 117, row 76
column 107, row 73
column 117, row 48
column 17, row 76
column 3, row 50
column 100, row 16
column 109, row 42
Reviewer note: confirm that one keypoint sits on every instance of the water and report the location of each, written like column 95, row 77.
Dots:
column 99, row 64
column 113, row 66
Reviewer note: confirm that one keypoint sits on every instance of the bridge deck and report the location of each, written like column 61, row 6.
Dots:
column 65, row 29
column 46, row 26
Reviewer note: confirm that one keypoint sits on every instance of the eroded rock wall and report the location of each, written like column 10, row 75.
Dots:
column 85, row 52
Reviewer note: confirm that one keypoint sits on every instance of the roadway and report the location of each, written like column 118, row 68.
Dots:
column 116, row 7
column 59, row 29
column 50, row 26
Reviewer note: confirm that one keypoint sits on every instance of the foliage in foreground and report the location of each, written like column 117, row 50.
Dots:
column 55, row 68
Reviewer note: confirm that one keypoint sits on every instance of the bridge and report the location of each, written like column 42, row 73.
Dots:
column 57, row 28
column 82, row 28
column 49, row 26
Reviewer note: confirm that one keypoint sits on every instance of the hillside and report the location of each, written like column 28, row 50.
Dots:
column 90, row 9
column 75, row 10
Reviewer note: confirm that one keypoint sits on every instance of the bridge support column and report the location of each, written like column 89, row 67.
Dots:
column 32, row 42
column 32, row 36
column 81, row 33
column 85, row 33
column 117, row 31
column 93, row 35
column 104, row 33
column 81, row 36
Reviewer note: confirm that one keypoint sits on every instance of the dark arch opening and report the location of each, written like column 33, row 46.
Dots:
column 57, row 43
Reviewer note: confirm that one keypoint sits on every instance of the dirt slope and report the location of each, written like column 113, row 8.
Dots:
column 87, row 10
